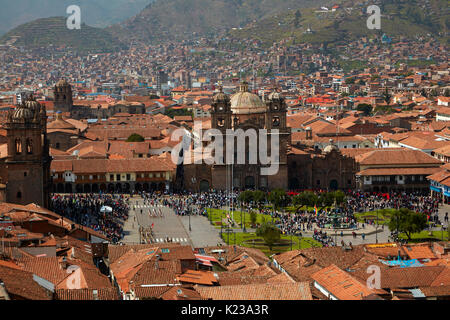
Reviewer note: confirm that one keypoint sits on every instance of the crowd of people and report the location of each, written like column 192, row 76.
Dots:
column 363, row 202
column 191, row 203
column 86, row 210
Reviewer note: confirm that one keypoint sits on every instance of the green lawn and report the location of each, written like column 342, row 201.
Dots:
column 384, row 216
column 245, row 240
column 425, row 236
column 308, row 208
column 216, row 215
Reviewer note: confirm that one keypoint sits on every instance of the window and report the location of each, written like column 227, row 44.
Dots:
column 165, row 250
column 25, row 174
column 57, row 145
column 318, row 182
column 19, row 195
column 117, row 177
column 128, row 177
column 111, row 177
column 29, row 146
column 276, row 121
column 400, row 178
column 18, row 146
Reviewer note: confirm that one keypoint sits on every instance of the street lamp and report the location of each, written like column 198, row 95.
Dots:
column 189, row 212
column 376, row 230
column 291, row 240
column 221, row 224
column 244, row 229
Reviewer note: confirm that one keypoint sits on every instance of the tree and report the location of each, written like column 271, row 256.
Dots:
column 270, row 233
column 407, row 221
column 387, row 97
column 365, row 108
column 339, row 196
column 278, row 198
column 253, row 217
column 135, row 138
column 259, row 197
column 306, row 198
column 326, row 199
column 298, row 15
column 299, row 200
column 350, row 80
column 246, row 196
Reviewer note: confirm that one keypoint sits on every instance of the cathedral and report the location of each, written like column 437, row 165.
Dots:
column 298, row 168
column 25, row 162
column 246, row 111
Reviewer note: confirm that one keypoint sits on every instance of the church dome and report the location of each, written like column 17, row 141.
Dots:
column 22, row 113
column 33, row 105
column 221, row 97
column 60, row 123
column 244, row 102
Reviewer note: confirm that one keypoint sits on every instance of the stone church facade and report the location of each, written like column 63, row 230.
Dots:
column 328, row 170
column 244, row 111
column 25, row 167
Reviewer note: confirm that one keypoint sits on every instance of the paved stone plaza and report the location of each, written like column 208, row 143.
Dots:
column 169, row 227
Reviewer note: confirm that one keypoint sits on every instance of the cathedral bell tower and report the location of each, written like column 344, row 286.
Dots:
column 63, row 96
column 28, row 162
column 221, row 112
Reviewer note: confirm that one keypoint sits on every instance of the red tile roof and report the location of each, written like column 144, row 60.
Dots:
column 21, row 284
column 265, row 291
column 86, row 294
column 341, row 284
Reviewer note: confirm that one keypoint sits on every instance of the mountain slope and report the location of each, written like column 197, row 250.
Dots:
column 407, row 18
column 179, row 19
column 97, row 13
column 53, row 31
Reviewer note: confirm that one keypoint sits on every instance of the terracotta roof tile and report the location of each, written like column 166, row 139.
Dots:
column 410, row 277
column 341, row 284
column 198, row 277
column 177, row 293
column 422, row 251
column 266, row 291
column 47, row 268
column 87, row 294
column 20, row 284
